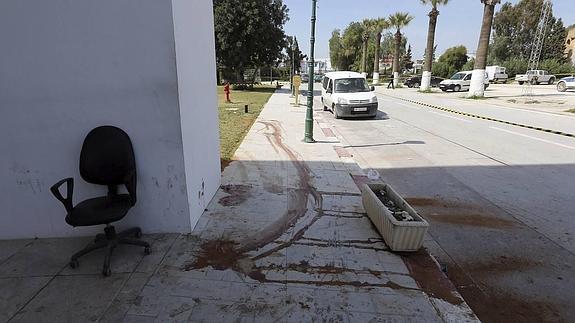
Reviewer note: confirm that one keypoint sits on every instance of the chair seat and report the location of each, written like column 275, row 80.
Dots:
column 100, row 210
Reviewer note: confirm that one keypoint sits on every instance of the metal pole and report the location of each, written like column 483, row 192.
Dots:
column 293, row 65
column 290, row 72
column 308, row 137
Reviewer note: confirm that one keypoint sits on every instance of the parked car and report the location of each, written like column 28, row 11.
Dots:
column 460, row 81
column 348, row 95
column 305, row 78
column 535, row 77
column 415, row 81
column 317, row 78
column 566, row 83
column 496, row 74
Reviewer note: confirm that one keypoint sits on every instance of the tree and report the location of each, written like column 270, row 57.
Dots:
column 381, row 24
column 398, row 20
column 293, row 52
column 407, row 60
column 352, row 41
column 469, row 65
column 514, row 28
column 477, row 87
column 451, row 61
column 249, row 33
column 429, row 50
column 368, row 26
column 336, row 50
column 388, row 45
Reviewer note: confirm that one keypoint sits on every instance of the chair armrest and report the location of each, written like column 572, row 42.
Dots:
column 55, row 189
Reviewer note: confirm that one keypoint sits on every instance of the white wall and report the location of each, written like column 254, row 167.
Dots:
column 67, row 66
column 199, row 117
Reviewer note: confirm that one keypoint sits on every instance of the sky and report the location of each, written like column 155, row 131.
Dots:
column 459, row 21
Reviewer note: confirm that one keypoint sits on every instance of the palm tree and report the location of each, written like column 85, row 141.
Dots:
column 398, row 20
column 380, row 25
column 477, row 87
column 426, row 76
column 368, row 26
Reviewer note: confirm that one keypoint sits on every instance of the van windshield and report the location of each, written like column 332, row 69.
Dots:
column 351, row 85
column 458, row 76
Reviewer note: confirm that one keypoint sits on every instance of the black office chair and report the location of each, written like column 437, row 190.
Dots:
column 107, row 158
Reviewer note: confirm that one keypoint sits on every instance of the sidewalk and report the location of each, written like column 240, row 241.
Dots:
column 285, row 239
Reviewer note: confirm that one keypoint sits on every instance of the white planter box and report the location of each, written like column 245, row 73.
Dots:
column 398, row 235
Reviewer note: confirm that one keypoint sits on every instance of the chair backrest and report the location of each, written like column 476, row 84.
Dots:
column 107, row 158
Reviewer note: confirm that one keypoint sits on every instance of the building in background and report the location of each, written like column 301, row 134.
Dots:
column 570, row 44
column 418, row 66
column 321, row 66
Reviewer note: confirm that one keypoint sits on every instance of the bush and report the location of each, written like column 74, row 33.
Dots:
column 515, row 66
column 554, row 66
column 243, row 87
column 443, row 70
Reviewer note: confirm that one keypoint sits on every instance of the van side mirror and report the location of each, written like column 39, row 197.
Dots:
column 372, row 88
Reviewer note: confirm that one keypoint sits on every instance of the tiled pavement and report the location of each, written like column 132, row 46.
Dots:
column 285, row 239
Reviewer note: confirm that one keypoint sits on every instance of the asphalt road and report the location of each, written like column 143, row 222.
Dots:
column 500, row 198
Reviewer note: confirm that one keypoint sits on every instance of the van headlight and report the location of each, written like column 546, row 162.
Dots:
column 373, row 99
column 341, row 101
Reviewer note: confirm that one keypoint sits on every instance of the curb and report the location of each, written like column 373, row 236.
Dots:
column 555, row 132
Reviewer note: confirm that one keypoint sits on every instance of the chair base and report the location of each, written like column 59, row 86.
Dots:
column 110, row 240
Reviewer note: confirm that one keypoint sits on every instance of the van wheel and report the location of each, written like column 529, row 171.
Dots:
column 456, row 88
column 520, row 82
column 335, row 112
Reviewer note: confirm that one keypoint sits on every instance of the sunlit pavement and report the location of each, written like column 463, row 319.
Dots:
column 499, row 197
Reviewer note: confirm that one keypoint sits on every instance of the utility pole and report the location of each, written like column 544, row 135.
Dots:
column 537, row 46
column 308, row 137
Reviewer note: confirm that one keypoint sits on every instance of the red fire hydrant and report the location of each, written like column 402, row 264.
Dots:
column 227, row 92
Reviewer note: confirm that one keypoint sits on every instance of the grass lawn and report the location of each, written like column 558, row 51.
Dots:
column 234, row 123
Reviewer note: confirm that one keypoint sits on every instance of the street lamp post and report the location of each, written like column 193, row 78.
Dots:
column 308, row 137
column 292, row 68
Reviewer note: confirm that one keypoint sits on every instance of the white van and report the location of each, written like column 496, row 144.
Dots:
column 496, row 74
column 460, row 81
column 348, row 95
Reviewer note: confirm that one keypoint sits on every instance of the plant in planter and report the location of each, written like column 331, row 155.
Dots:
column 399, row 224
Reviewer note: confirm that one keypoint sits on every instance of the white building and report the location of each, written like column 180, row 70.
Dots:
column 321, row 66
column 69, row 66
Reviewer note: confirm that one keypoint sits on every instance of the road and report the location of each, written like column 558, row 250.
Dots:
column 500, row 198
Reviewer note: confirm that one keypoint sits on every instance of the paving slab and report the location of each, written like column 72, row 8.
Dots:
column 16, row 292
column 72, row 299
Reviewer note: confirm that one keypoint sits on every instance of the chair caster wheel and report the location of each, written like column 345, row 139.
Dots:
column 138, row 234
column 74, row 264
column 107, row 272
column 147, row 250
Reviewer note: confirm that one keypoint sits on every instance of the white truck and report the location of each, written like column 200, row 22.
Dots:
column 496, row 74
column 535, row 77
